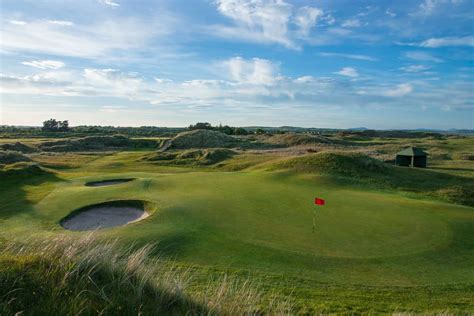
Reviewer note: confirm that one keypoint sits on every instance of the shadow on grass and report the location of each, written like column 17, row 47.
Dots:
column 13, row 195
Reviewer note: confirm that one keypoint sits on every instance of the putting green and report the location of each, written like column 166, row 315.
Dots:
column 263, row 221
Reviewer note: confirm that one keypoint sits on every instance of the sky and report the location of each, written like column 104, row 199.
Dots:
column 311, row 63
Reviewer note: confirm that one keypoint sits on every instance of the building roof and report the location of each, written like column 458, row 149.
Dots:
column 412, row 151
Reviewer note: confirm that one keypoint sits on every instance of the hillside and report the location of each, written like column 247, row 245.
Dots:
column 201, row 138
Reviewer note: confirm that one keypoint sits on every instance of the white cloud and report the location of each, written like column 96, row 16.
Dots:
column 348, row 72
column 163, row 80
column 306, row 18
column 18, row 22
column 44, row 64
column 110, row 3
column 268, row 18
column 304, row 79
column 399, row 91
column 422, row 56
column 390, row 13
column 428, row 7
column 90, row 41
column 350, row 56
column 415, row 68
column 113, row 79
column 351, row 23
column 449, row 41
column 254, row 71
column 60, row 22
column 267, row 21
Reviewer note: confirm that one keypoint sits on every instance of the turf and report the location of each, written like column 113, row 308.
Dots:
column 373, row 250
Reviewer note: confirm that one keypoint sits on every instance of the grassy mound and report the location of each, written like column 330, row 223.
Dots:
column 98, row 143
column 192, row 157
column 22, row 169
column 203, row 139
column 360, row 168
column 20, row 147
column 63, row 276
column 343, row 164
column 458, row 194
column 9, row 157
column 464, row 156
column 292, row 139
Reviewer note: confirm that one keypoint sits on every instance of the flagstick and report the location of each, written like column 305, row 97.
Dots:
column 314, row 219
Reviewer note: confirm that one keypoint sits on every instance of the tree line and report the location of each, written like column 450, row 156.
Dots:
column 226, row 129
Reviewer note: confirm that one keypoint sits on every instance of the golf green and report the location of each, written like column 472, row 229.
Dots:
column 262, row 221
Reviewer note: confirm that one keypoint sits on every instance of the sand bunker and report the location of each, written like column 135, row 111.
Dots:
column 105, row 215
column 107, row 182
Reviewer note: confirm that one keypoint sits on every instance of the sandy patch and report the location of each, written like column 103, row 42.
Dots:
column 100, row 217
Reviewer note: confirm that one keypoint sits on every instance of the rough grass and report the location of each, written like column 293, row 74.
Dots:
column 9, row 157
column 98, row 143
column 18, row 146
column 203, row 139
column 345, row 164
column 71, row 276
column 21, row 170
column 191, row 157
column 293, row 139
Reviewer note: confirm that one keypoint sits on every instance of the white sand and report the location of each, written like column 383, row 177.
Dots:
column 103, row 217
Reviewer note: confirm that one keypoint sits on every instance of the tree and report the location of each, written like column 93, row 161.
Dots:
column 53, row 125
column 226, row 130
column 200, row 125
column 63, row 126
column 240, row 131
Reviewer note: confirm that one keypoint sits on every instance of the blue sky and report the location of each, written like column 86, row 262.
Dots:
column 313, row 63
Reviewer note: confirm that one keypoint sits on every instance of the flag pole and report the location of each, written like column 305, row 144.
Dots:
column 314, row 219
column 317, row 201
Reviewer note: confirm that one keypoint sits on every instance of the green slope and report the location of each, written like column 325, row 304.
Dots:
column 263, row 221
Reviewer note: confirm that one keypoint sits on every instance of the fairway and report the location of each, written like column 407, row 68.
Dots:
column 262, row 221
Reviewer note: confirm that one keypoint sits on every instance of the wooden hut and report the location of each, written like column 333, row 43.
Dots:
column 411, row 157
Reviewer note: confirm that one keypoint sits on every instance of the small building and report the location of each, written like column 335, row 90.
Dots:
column 411, row 157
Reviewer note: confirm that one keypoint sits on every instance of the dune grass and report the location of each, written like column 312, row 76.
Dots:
column 70, row 276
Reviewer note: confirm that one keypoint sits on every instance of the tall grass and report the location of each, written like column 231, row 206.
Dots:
column 67, row 276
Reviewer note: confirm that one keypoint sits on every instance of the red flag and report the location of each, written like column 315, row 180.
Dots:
column 318, row 201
